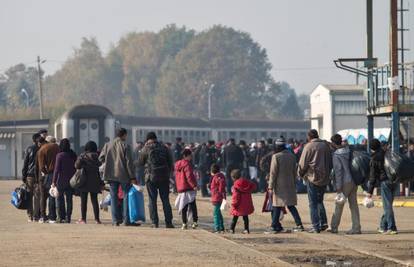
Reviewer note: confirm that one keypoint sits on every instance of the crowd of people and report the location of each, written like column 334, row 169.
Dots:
column 218, row 170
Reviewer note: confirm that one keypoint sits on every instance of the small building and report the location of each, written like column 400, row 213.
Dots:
column 15, row 137
column 340, row 107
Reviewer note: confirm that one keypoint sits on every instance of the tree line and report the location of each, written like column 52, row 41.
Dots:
column 165, row 73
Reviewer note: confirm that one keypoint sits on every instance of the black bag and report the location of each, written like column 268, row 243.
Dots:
column 78, row 179
column 359, row 166
column 398, row 167
column 158, row 163
column 20, row 197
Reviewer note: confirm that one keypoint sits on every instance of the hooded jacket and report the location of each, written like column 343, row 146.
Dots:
column 242, row 203
column 89, row 162
column 143, row 161
column 315, row 163
column 341, row 163
column 218, row 188
column 29, row 165
column 376, row 169
column 185, row 179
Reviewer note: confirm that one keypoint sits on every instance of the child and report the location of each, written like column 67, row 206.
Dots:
column 187, row 189
column 218, row 193
column 242, row 203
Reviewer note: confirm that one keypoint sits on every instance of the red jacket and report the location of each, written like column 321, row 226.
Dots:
column 218, row 188
column 242, row 203
column 185, row 179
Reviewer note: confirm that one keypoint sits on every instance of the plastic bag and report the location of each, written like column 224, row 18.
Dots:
column 54, row 192
column 368, row 202
column 139, row 188
column 136, row 205
column 360, row 167
column 268, row 202
column 340, row 198
column 223, row 205
column 105, row 202
column 398, row 167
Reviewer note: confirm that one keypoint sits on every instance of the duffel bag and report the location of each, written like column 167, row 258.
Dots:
column 20, row 197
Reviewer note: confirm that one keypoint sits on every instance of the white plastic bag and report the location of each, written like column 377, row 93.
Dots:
column 138, row 188
column 368, row 202
column 223, row 205
column 53, row 192
column 340, row 198
column 105, row 202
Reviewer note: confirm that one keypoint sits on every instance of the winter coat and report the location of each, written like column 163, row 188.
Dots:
column 218, row 188
column 89, row 162
column 283, row 179
column 241, row 202
column 64, row 169
column 185, row 179
column 207, row 158
column 376, row 170
column 315, row 163
column 118, row 160
column 177, row 149
column 233, row 157
column 46, row 158
column 143, row 161
column 261, row 152
column 340, row 159
column 29, row 164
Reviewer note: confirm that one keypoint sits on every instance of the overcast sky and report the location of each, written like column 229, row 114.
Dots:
column 302, row 37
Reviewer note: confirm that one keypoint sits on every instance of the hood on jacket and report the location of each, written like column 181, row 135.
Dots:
column 244, row 185
column 342, row 152
column 181, row 164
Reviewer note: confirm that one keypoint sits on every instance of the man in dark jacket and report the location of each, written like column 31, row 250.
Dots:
column 262, row 150
column 158, row 164
column 28, row 174
column 378, row 177
column 207, row 158
column 177, row 149
column 233, row 159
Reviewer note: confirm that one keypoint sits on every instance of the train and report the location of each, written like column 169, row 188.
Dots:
column 97, row 123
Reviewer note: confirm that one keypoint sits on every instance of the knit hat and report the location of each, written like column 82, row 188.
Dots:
column 280, row 141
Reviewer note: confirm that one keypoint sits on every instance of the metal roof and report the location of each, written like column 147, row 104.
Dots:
column 162, row 121
column 344, row 87
column 17, row 123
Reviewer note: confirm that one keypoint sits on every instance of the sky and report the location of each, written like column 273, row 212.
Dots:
column 302, row 37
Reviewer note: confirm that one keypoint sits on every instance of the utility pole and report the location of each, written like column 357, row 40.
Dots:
column 210, row 94
column 393, row 82
column 39, row 72
column 370, row 83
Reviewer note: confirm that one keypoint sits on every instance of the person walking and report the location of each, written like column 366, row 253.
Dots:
column 378, row 176
column 28, row 177
column 282, row 183
column 262, row 151
column 345, row 185
column 315, row 166
column 241, row 203
column 64, row 170
column 46, row 159
column 157, row 161
column 187, row 189
column 233, row 159
column 88, row 161
column 207, row 158
column 218, row 194
column 119, row 172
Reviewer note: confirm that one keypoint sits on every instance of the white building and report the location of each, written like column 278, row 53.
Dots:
column 339, row 107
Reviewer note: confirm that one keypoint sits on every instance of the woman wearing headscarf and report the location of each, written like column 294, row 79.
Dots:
column 88, row 161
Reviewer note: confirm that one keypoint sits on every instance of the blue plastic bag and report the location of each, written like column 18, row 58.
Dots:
column 136, row 205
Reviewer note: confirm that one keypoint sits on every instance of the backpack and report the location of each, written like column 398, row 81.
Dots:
column 359, row 166
column 158, row 163
column 20, row 197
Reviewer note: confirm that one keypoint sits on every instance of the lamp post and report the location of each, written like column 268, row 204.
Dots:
column 210, row 94
column 39, row 72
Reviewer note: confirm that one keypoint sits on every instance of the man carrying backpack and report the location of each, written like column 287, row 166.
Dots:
column 344, row 184
column 158, row 164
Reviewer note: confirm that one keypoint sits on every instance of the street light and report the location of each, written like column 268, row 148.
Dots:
column 24, row 92
column 210, row 94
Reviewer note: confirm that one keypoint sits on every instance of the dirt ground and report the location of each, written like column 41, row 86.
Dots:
column 33, row 244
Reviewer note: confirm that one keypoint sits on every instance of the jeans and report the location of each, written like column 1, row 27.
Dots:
column 193, row 207
column 119, row 215
column 164, row 190
column 44, row 196
column 262, row 181
column 316, row 207
column 218, row 218
column 350, row 192
column 276, row 225
column 245, row 220
column 229, row 180
column 205, row 179
column 65, row 213
column 84, row 205
column 387, row 195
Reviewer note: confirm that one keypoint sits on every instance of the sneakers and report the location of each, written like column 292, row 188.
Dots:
column 246, row 232
column 169, row 226
column 298, row 228
column 324, row 227
column 154, row 225
column 41, row 220
column 381, row 231
column 332, row 231
column 194, row 225
column 80, row 221
column 314, row 231
column 184, row 227
column 98, row 222
column 52, row 221
column 391, row 232
column 352, row 232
